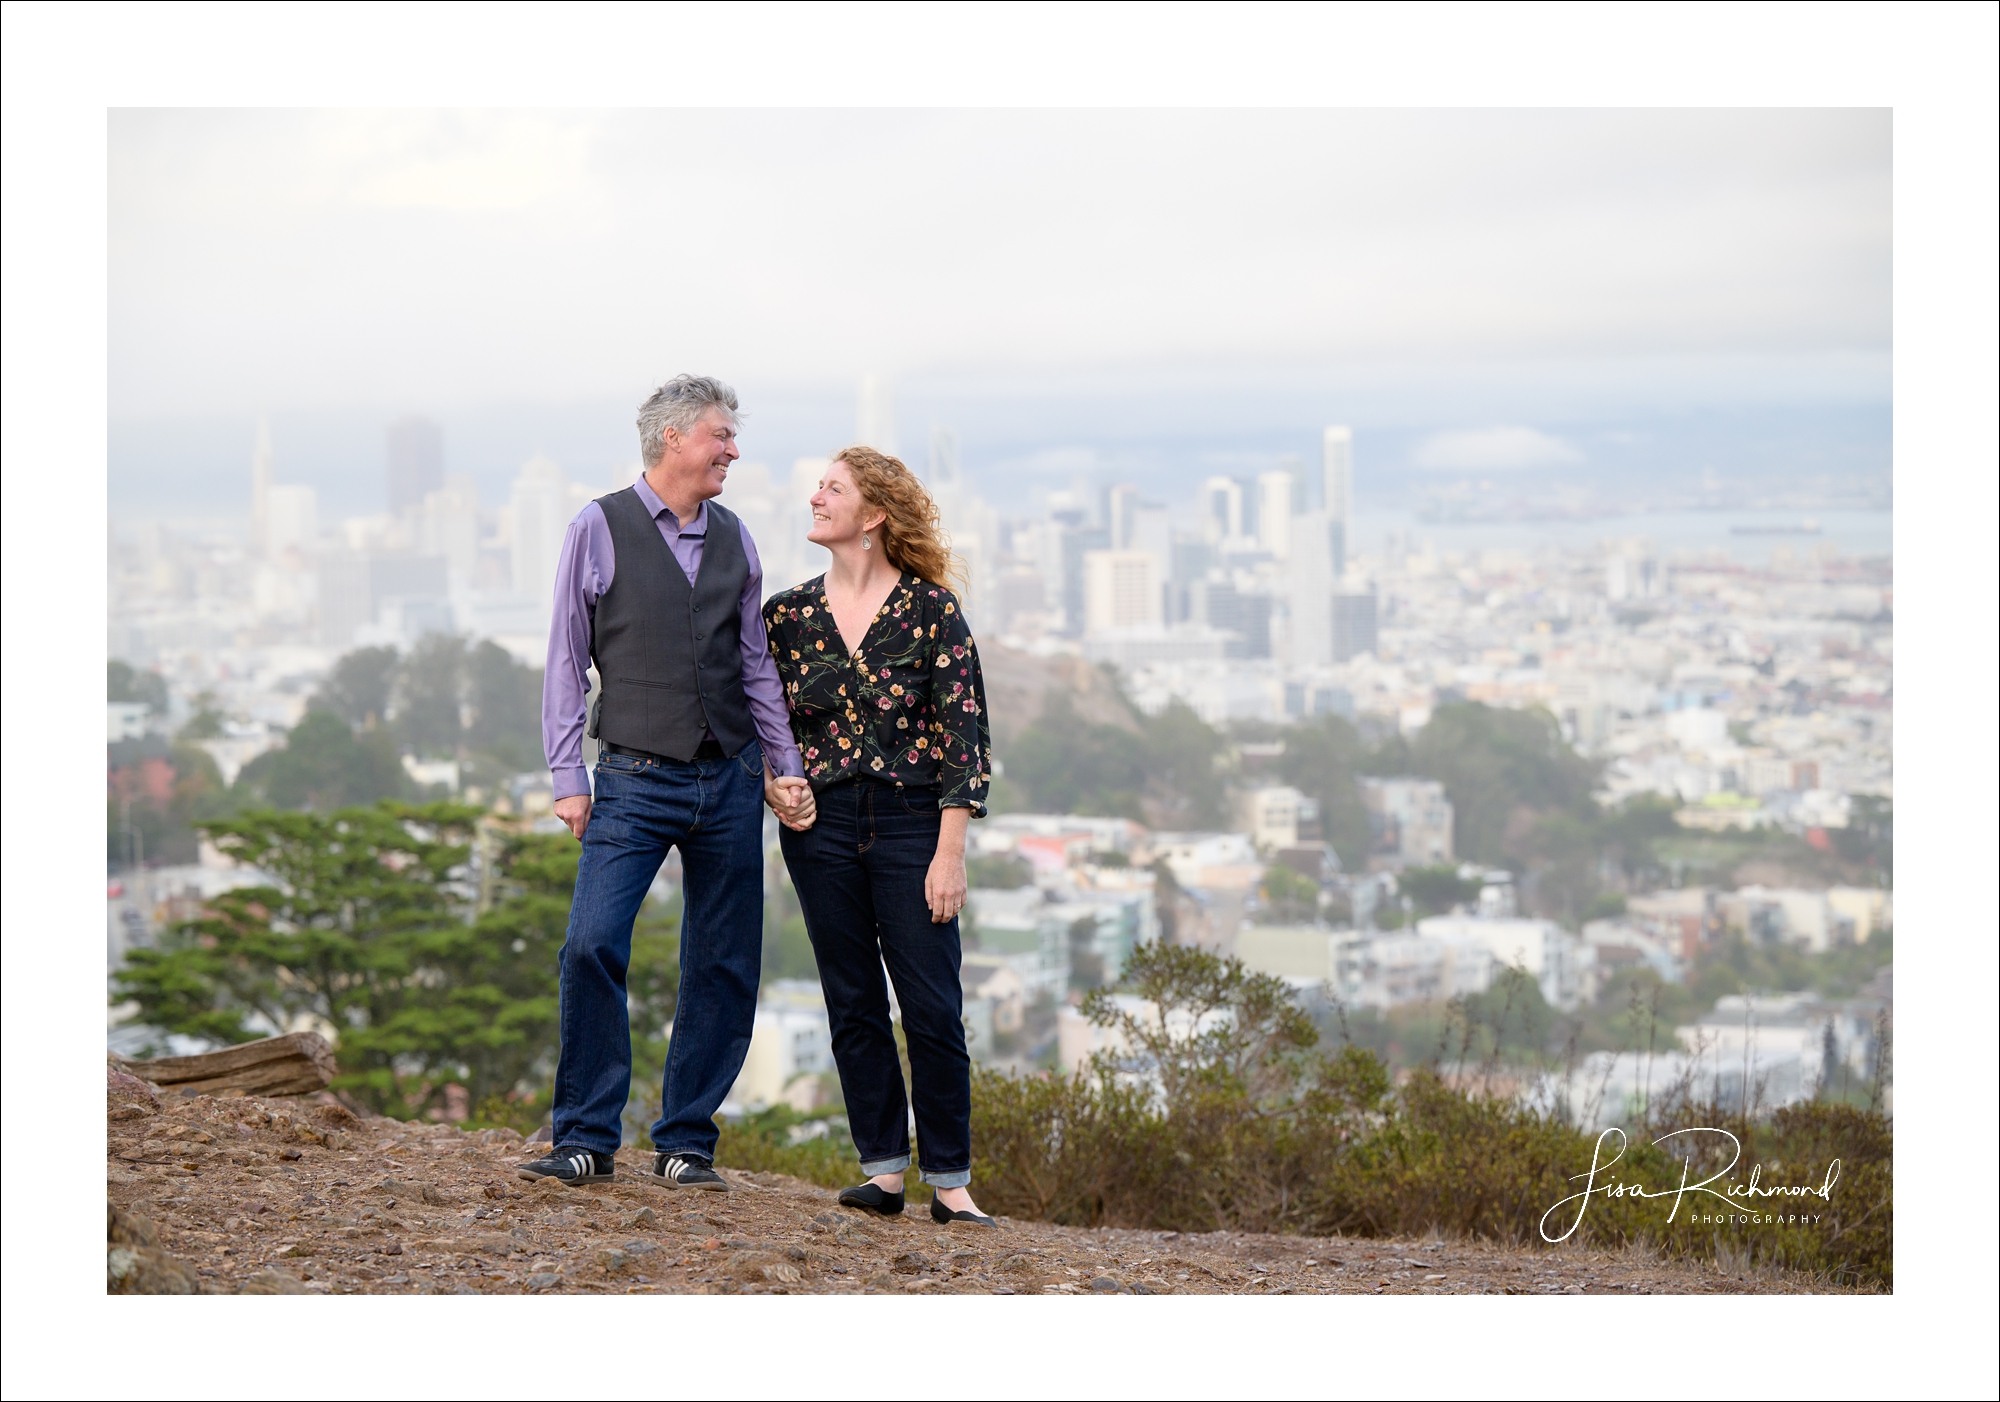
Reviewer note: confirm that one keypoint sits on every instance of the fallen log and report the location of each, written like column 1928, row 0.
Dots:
column 297, row 1063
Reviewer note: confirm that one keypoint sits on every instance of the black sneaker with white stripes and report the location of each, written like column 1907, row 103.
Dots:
column 572, row 1165
column 681, row 1171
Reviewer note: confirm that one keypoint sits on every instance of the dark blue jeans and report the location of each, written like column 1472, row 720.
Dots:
column 859, row 871
column 713, row 811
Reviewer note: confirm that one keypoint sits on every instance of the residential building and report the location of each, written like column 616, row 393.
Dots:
column 1409, row 821
column 791, row 1046
column 1542, row 949
column 1278, row 816
column 1020, row 928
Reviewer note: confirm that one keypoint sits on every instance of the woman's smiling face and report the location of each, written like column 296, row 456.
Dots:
column 839, row 514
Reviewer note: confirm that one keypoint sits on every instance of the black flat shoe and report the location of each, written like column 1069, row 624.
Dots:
column 944, row 1216
column 870, row 1198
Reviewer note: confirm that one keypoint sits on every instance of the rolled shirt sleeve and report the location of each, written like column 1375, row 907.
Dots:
column 761, row 686
column 583, row 573
column 958, row 701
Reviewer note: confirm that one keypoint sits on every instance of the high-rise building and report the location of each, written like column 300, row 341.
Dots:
column 1353, row 623
column 1274, row 513
column 1119, row 502
column 1121, row 590
column 450, row 527
column 416, row 463
column 1301, row 483
column 1337, row 472
column 1245, row 615
column 260, row 489
column 875, row 415
column 1310, row 580
column 1190, row 559
column 540, row 502
column 1077, row 542
column 1221, row 509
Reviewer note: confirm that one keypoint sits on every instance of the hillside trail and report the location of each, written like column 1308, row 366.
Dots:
column 282, row 1195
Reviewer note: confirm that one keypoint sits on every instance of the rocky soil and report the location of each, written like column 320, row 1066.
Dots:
column 299, row 1195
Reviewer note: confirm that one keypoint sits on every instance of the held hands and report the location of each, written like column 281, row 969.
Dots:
column 792, row 800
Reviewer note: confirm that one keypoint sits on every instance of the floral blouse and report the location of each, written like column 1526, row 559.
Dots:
column 909, row 707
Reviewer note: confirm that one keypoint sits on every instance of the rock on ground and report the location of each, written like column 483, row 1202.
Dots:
column 262, row 1196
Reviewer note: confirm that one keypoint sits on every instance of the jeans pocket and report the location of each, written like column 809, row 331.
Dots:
column 921, row 801
column 617, row 764
column 751, row 757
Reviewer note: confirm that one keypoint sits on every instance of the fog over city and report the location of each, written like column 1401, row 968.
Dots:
column 1615, row 301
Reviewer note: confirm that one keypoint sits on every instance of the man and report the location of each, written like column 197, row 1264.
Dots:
column 660, row 587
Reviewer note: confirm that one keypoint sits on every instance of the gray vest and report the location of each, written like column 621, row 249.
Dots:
column 667, row 652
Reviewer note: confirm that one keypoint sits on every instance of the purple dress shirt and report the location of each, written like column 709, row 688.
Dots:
column 582, row 575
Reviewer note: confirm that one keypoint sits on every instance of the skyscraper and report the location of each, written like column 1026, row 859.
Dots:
column 1354, row 630
column 1119, row 503
column 1221, row 509
column 540, row 502
column 451, row 527
column 1310, row 580
column 1274, row 513
column 416, row 463
column 1337, row 472
column 1337, row 484
column 875, row 415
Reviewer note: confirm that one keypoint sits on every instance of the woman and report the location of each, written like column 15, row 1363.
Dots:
column 890, row 715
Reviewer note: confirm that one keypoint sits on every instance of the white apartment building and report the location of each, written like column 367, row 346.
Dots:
column 1121, row 590
column 1273, row 814
column 1542, row 949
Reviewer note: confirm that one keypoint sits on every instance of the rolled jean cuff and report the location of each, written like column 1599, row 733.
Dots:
column 875, row 1167
column 956, row 1178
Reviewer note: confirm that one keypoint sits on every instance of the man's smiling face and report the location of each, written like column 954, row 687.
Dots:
column 694, row 465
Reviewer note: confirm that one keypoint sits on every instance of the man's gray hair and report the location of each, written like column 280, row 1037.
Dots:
column 679, row 404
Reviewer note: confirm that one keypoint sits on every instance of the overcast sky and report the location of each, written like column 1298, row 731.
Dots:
column 1474, row 274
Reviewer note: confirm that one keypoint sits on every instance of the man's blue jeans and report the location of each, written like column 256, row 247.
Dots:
column 713, row 811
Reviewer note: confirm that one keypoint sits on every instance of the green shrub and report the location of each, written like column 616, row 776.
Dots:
column 1220, row 1111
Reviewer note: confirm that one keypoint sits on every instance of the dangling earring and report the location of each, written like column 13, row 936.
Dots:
column 864, row 543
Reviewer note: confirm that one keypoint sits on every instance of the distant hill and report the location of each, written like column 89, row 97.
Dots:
column 1018, row 684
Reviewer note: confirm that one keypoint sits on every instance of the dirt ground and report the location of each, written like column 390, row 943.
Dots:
column 242, row 1195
